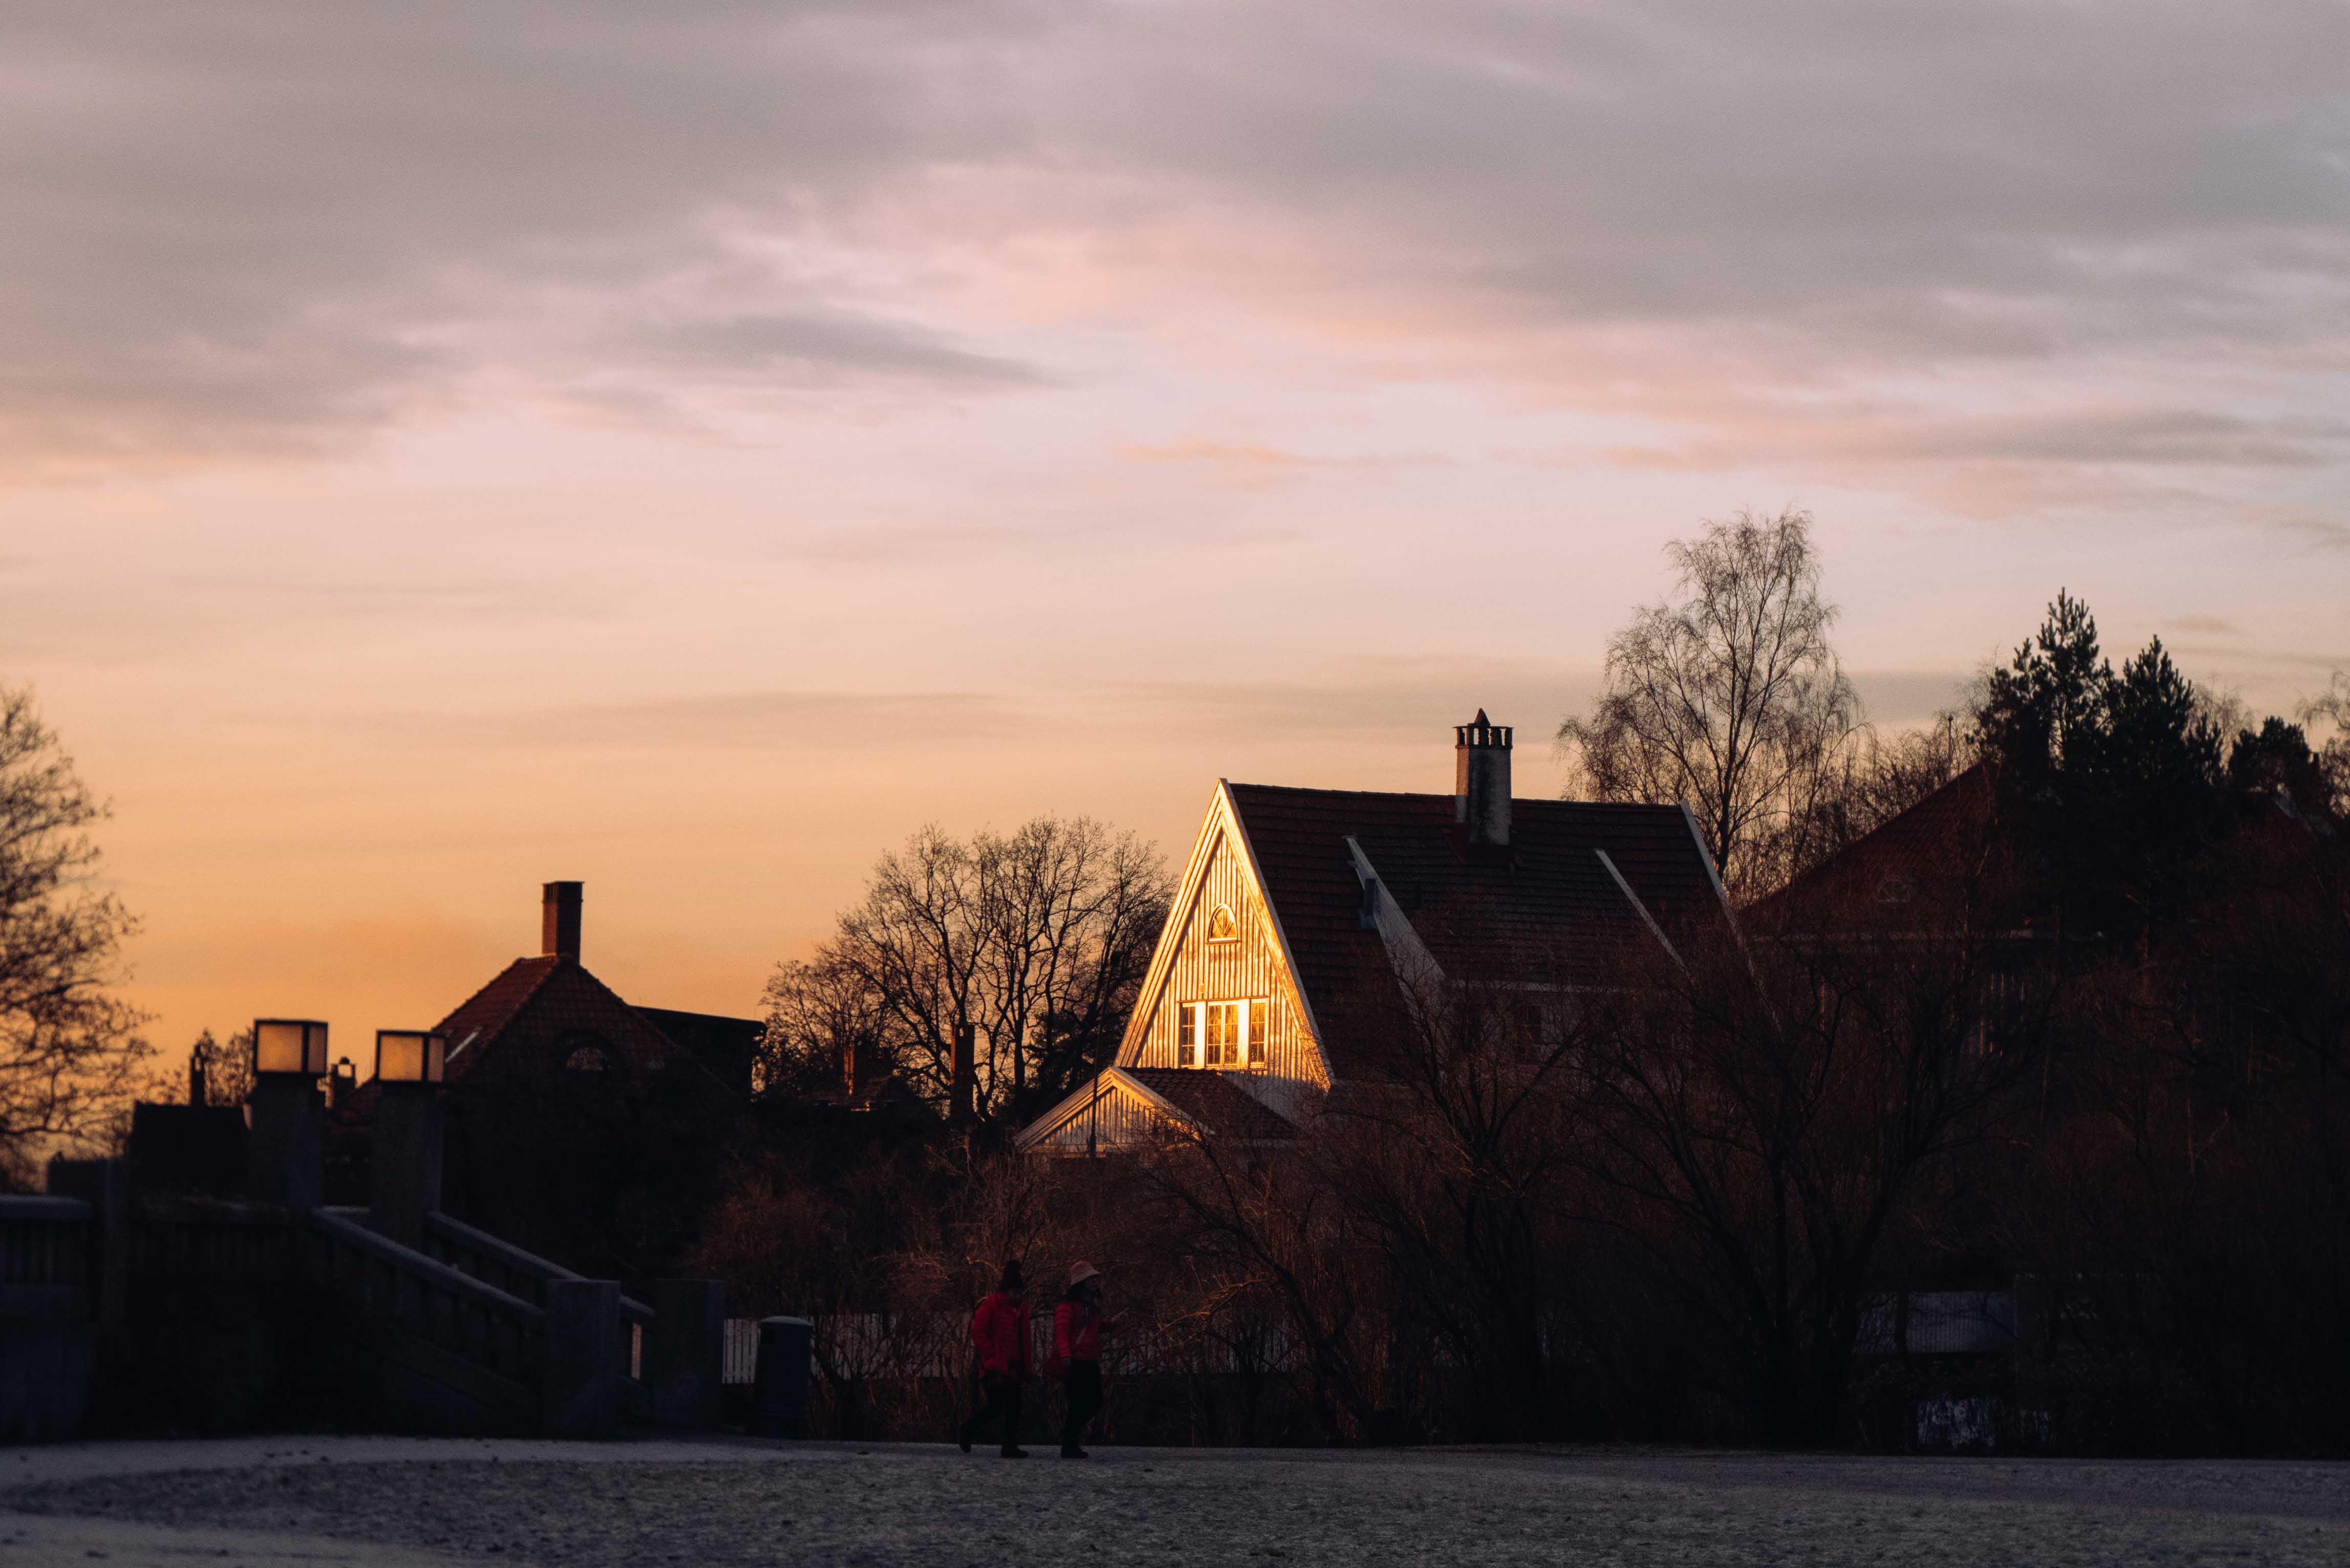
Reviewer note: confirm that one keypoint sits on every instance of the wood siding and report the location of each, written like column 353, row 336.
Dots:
column 1115, row 1118
column 1249, row 968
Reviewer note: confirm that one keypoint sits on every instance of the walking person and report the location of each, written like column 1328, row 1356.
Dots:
column 1078, row 1328
column 999, row 1332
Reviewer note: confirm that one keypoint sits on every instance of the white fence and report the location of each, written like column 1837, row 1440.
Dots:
column 741, row 1359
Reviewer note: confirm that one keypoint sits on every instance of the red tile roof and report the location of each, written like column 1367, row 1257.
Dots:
column 541, row 1002
column 481, row 1017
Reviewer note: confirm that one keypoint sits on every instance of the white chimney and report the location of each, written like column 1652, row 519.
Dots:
column 1481, row 782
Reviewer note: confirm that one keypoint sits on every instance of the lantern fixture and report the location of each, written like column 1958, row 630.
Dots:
column 411, row 1055
column 292, row 1047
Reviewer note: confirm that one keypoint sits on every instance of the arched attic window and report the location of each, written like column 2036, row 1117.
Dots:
column 583, row 1051
column 1222, row 927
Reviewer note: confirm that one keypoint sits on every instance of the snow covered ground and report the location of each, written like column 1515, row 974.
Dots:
column 375, row 1503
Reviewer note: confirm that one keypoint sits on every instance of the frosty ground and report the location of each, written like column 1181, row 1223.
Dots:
column 403, row 1503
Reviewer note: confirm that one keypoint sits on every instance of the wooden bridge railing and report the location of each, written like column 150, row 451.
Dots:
column 527, row 1274
column 488, row 1328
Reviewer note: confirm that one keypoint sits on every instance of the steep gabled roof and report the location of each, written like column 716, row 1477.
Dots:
column 483, row 1016
column 544, row 999
column 1547, row 905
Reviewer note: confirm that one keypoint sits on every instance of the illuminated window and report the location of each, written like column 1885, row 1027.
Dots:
column 1222, row 1034
column 1222, row 927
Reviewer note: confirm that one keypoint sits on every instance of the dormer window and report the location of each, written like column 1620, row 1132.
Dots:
column 1222, row 927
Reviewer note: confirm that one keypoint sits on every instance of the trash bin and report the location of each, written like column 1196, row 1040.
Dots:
column 779, row 1392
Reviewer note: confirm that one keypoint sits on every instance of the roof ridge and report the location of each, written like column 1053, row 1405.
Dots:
column 1533, row 800
column 1374, row 793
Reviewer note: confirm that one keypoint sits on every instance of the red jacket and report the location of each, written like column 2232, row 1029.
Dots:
column 999, row 1329
column 1076, row 1331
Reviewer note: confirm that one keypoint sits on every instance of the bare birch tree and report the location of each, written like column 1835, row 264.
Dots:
column 68, row 1050
column 1729, row 699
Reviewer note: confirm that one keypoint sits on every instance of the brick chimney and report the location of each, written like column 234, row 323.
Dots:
column 558, row 921
column 1481, row 782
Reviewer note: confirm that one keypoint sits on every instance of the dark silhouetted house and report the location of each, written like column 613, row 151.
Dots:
column 1921, row 869
column 580, row 1127
column 1298, row 905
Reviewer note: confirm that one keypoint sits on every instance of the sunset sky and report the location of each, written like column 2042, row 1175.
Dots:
column 685, row 447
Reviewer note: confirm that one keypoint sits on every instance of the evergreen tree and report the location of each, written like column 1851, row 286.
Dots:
column 2118, row 777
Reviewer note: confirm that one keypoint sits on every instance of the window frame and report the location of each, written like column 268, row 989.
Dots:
column 1243, row 1044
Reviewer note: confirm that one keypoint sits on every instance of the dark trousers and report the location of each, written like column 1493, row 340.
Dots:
column 1085, row 1402
column 1002, row 1399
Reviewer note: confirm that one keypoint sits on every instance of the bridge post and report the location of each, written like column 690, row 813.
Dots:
column 405, row 1161
column 580, row 1390
column 286, row 1151
column 685, row 1355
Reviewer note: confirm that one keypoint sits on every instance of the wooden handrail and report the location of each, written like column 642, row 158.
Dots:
column 507, row 1255
column 358, row 1238
column 504, row 1252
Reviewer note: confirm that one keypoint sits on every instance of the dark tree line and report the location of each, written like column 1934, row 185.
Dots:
column 2083, row 1044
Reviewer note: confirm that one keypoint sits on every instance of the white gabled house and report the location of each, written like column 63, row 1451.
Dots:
column 1293, row 898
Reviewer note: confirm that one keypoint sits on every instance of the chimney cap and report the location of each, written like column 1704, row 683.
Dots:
column 1481, row 731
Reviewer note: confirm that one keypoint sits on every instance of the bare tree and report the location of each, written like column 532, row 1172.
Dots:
column 1036, row 939
column 226, row 1070
column 1729, row 699
column 1767, row 1108
column 68, row 1051
column 2331, row 709
column 825, row 1029
column 1072, row 913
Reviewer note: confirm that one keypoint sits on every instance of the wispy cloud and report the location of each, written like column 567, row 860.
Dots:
column 1254, row 466
column 273, row 229
column 797, row 721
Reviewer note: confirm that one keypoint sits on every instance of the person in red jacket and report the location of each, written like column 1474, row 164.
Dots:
column 999, row 1332
column 1077, row 1325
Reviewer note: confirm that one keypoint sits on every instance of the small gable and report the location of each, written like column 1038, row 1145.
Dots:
column 1124, row 1108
